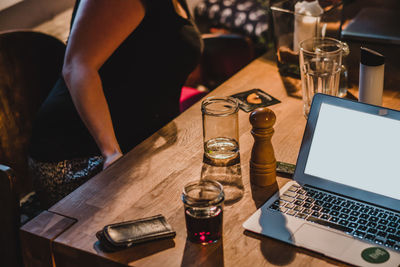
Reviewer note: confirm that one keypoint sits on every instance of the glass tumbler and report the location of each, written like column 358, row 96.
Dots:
column 320, row 68
column 203, row 202
column 220, row 130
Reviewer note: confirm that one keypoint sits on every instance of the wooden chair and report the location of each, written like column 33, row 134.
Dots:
column 30, row 64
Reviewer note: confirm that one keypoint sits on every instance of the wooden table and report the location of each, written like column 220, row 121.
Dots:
column 149, row 180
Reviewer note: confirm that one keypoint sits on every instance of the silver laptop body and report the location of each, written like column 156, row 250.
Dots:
column 344, row 200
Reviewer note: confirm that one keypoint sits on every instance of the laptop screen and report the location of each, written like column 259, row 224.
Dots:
column 356, row 149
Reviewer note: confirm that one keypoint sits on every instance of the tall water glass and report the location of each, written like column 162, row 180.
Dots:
column 320, row 68
column 220, row 130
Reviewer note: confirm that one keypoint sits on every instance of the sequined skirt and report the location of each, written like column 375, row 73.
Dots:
column 52, row 181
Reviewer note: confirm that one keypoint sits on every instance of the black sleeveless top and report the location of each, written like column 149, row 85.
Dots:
column 142, row 81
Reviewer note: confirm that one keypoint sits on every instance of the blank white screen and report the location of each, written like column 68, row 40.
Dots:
column 356, row 149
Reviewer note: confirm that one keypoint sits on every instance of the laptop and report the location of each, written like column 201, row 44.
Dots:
column 344, row 199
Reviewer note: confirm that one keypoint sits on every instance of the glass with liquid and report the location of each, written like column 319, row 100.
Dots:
column 203, row 204
column 220, row 130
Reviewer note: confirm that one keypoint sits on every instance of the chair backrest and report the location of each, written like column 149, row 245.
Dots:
column 223, row 56
column 30, row 64
column 10, row 254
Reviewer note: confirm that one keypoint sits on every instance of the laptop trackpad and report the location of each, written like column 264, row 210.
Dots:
column 322, row 240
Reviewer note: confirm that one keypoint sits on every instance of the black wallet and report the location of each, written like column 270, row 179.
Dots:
column 125, row 234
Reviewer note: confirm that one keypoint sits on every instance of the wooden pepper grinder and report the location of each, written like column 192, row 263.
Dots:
column 262, row 162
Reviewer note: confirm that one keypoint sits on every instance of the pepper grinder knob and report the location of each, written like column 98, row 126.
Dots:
column 262, row 162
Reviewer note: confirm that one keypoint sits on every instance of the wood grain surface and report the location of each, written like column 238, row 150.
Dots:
column 149, row 180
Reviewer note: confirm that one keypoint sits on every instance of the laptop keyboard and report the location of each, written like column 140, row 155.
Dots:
column 364, row 221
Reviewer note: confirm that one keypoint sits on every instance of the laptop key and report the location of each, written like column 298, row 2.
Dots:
column 364, row 210
column 382, row 234
column 391, row 230
column 362, row 228
column 301, row 192
column 334, row 213
column 373, row 213
column 369, row 237
column 301, row 197
column 330, row 224
column 389, row 243
column 318, row 202
column 394, row 237
column 352, row 218
column 286, row 198
column 359, row 234
column 382, row 215
column 345, row 210
column 301, row 215
column 327, row 199
column 310, row 200
column 337, row 208
column 381, row 227
column 282, row 209
column 327, row 205
column 325, row 216
column 346, row 204
column 352, row 225
column 298, row 202
column 316, row 214
column 291, row 212
column 325, row 210
column 289, row 194
column 293, row 188
column 362, row 221
column 307, row 211
column 290, row 205
column 373, row 219
column 383, row 221
column 316, row 208
column 274, row 207
column 336, row 202
column 354, row 207
column 298, row 208
column 355, row 213
column 334, row 219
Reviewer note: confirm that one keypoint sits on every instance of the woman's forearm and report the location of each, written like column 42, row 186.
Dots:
column 87, row 94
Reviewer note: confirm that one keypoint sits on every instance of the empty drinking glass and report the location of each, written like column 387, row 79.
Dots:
column 320, row 68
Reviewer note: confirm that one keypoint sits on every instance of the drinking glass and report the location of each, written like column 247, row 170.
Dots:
column 320, row 68
column 203, row 203
column 220, row 130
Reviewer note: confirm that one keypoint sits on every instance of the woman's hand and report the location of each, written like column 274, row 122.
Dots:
column 110, row 159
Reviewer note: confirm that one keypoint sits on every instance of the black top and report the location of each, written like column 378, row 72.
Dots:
column 370, row 57
column 142, row 81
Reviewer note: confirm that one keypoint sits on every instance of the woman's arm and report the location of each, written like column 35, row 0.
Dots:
column 100, row 26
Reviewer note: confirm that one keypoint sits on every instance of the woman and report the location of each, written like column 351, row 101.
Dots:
column 125, row 63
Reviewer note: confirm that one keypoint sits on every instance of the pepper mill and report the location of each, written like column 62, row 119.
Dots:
column 262, row 162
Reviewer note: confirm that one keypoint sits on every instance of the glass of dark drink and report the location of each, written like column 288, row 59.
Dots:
column 203, row 203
